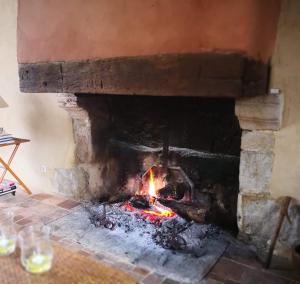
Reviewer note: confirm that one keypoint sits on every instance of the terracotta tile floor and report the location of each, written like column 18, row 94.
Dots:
column 229, row 269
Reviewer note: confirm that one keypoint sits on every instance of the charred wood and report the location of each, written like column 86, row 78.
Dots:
column 173, row 191
column 196, row 213
column 139, row 201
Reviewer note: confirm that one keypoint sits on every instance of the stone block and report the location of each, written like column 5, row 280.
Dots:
column 258, row 216
column 260, row 113
column 153, row 278
column 69, row 102
column 83, row 140
column 255, row 171
column 259, row 141
column 102, row 179
column 71, row 182
column 88, row 181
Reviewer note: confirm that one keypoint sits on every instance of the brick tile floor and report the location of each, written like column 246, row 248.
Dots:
column 228, row 270
column 41, row 196
column 54, row 200
column 68, row 204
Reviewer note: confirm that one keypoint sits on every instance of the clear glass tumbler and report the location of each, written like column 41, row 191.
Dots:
column 36, row 248
column 8, row 233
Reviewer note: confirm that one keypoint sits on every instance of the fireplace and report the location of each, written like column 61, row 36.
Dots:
column 208, row 117
column 189, row 147
column 172, row 178
column 221, row 148
column 188, row 158
column 160, row 175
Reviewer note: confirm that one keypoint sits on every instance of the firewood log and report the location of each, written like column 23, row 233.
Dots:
column 192, row 212
column 174, row 191
column 140, row 201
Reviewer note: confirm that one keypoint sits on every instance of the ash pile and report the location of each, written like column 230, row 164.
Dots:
column 176, row 233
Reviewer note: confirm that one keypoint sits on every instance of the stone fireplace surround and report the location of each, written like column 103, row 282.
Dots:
column 257, row 212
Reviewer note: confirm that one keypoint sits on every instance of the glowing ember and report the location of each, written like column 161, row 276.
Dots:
column 128, row 207
column 160, row 213
column 151, row 215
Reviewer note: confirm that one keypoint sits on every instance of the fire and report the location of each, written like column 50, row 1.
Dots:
column 156, row 211
column 152, row 190
column 159, row 212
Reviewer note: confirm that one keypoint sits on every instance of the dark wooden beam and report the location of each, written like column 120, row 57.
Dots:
column 203, row 75
column 40, row 78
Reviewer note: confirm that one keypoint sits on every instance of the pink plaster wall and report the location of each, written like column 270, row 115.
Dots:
column 72, row 30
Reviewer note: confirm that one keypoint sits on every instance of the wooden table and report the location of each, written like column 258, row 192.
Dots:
column 16, row 142
column 68, row 268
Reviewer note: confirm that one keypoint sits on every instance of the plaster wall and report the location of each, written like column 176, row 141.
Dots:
column 73, row 30
column 33, row 116
column 286, row 76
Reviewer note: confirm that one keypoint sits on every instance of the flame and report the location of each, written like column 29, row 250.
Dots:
column 152, row 189
column 156, row 212
column 159, row 212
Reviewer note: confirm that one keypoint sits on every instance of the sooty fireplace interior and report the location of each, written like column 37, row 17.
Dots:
column 164, row 155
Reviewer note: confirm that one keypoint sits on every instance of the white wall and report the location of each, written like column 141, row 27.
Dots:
column 33, row 116
column 286, row 76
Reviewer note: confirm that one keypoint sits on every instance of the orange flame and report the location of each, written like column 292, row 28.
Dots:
column 152, row 192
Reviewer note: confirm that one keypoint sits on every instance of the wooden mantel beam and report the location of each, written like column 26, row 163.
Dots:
column 203, row 75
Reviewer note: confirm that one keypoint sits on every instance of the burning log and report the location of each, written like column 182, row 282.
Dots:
column 140, row 202
column 192, row 212
column 174, row 191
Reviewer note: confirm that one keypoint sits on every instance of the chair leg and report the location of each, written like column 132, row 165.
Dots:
column 9, row 161
column 6, row 166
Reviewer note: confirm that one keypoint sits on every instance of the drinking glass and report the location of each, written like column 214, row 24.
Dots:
column 36, row 248
column 8, row 233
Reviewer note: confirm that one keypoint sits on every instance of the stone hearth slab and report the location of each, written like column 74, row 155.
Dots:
column 185, row 268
